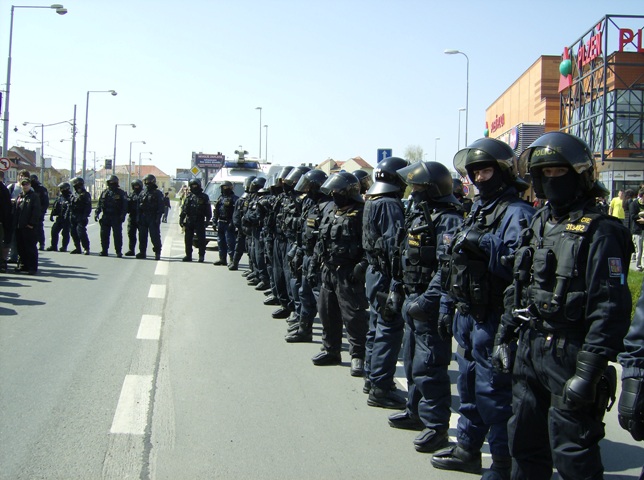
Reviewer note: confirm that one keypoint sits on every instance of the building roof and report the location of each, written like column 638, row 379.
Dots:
column 145, row 170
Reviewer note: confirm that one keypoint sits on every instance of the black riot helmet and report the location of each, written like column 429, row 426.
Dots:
column 137, row 184
column 281, row 175
column 149, row 179
column 268, row 183
column 248, row 181
column 294, row 175
column 344, row 187
column 559, row 149
column 489, row 152
column 78, row 183
column 112, row 181
column 194, row 185
column 226, row 188
column 365, row 180
column 64, row 187
column 431, row 180
column 257, row 184
column 311, row 181
column 34, row 178
column 457, row 188
column 387, row 181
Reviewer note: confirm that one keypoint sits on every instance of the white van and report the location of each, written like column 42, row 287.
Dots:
column 234, row 171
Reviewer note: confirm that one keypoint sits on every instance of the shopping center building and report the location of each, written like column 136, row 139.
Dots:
column 594, row 90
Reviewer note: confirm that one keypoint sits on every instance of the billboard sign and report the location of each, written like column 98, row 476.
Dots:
column 205, row 160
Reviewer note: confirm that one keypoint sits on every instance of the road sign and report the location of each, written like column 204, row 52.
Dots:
column 195, row 170
column 4, row 164
column 204, row 160
column 384, row 153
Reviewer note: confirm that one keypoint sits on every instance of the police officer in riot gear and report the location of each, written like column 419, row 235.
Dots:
column 133, row 216
column 459, row 193
column 79, row 211
column 383, row 217
column 149, row 220
column 365, row 180
column 475, row 279
column 112, row 203
column 195, row 215
column 223, row 222
column 242, row 239
column 308, row 292
column 60, row 216
column 431, row 222
column 342, row 293
column 631, row 400
column 570, row 306
column 41, row 192
column 278, row 255
column 252, row 222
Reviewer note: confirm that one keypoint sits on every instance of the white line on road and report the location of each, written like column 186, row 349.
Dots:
column 162, row 268
column 149, row 328
column 131, row 415
column 156, row 291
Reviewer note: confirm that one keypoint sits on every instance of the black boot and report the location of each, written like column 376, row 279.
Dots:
column 500, row 469
column 457, row 458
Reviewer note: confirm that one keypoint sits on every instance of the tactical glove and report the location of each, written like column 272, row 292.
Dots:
column 631, row 407
column 416, row 312
column 393, row 304
column 581, row 388
column 359, row 273
column 501, row 351
column 445, row 321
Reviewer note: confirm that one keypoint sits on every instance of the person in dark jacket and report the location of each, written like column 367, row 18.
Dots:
column 133, row 216
column 42, row 193
column 113, row 205
column 166, row 207
column 79, row 212
column 150, row 212
column 26, row 224
column 636, row 214
column 195, row 215
column 570, row 306
column 6, row 223
column 223, row 222
column 60, row 216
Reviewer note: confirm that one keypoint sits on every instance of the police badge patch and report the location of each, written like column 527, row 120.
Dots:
column 615, row 266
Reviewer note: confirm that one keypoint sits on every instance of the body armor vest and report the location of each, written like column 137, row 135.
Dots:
column 556, row 292
column 418, row 250
column 111, row 202
column 196, row 208
column 225, row 208
column 341, row 236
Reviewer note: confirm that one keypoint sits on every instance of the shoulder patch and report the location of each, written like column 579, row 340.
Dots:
column 615, row 266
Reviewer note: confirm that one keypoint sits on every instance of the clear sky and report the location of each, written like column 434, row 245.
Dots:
column 335, row 78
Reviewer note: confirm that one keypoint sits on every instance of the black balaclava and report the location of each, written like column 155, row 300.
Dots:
column 492, row 187
column 194, row 188
column 561, row 192
column 112, row 186
column 340, row 200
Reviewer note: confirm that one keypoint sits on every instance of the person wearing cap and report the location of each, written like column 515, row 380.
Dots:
column 26, row 222
column 570, row 309
column 383, row 219
column 475, row 278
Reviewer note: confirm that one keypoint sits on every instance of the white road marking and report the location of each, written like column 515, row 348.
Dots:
column 149, row 328
column 162, row 268
column 156, row 291
column 131, row 416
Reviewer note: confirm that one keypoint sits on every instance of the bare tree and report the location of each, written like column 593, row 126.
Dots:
column 414, row 153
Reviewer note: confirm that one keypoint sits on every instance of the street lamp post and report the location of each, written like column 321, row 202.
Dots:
column 116, row 127
column 467, row 86
column 113, row 92
column 266, row 143
column 60, row 10
column 458, row 147
column 141, row 153
column 260, row 131
column 436, row 148
column 129, row 165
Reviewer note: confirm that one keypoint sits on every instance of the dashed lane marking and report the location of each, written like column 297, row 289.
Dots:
column 131, row 416
column 149, row 328
column 156, row 291
column 162, row 268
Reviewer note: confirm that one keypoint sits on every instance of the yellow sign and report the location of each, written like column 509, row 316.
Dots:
column 195, row 170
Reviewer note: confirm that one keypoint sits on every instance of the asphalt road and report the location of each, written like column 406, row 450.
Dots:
column 123, row 368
